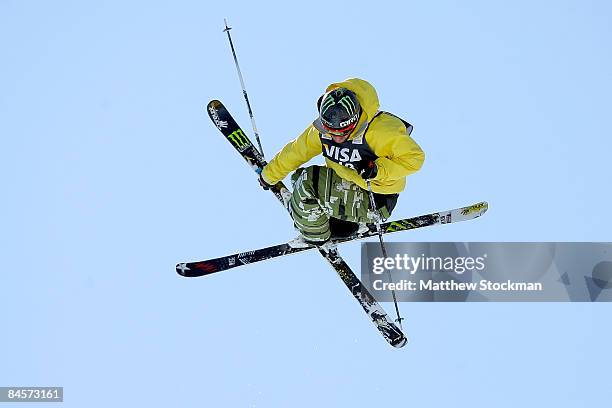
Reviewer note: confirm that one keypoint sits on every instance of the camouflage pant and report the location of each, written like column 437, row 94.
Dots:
column 319, row 193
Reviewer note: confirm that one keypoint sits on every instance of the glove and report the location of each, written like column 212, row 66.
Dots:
column 370, row 171
column 263, row 183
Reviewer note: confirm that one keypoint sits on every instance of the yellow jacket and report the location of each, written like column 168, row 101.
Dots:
column 398, row 154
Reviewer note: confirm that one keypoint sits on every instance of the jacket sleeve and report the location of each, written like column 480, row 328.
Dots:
column 399, row 155
column 293, row 155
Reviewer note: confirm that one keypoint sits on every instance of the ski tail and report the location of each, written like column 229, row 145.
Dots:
column 389, row 330
column 223, row 263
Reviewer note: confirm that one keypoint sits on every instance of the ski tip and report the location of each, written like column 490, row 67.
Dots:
column 182, row 269
column 476, row 210
column 484, row 206
column 215, row 103
column 401, row 342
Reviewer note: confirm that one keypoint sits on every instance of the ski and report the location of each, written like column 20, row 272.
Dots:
column 209, row 266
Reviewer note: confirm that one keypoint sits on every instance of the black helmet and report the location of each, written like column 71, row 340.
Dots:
column 339, row 112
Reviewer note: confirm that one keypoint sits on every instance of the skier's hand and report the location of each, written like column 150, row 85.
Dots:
column 370, row 171
column 263, row 183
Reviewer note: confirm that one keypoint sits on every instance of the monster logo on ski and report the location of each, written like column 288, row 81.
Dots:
column 228, row 126
column 234, row 134
column 239, row 140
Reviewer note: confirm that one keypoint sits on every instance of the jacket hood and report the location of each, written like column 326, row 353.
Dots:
column 366, row 95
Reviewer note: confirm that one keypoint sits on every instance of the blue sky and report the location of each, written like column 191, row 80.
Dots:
column 112, row 173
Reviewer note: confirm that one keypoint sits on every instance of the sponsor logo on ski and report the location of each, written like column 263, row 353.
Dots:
column 445, row 218
column 473, row 209
column 215, row 117
column 182, row 267
column 402, row 225
column 395, row 226
column 239, row 140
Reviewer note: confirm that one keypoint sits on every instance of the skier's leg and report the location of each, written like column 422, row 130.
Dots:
column 307, row 205
column 319, row 193
column 350, row 206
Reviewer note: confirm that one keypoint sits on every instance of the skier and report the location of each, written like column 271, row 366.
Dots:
column 359, row 143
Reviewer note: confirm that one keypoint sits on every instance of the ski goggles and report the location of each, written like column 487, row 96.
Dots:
column 323, row 128
column 340, row 132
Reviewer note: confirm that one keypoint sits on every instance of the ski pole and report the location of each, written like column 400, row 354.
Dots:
column 382, row 246
column 244, row 92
